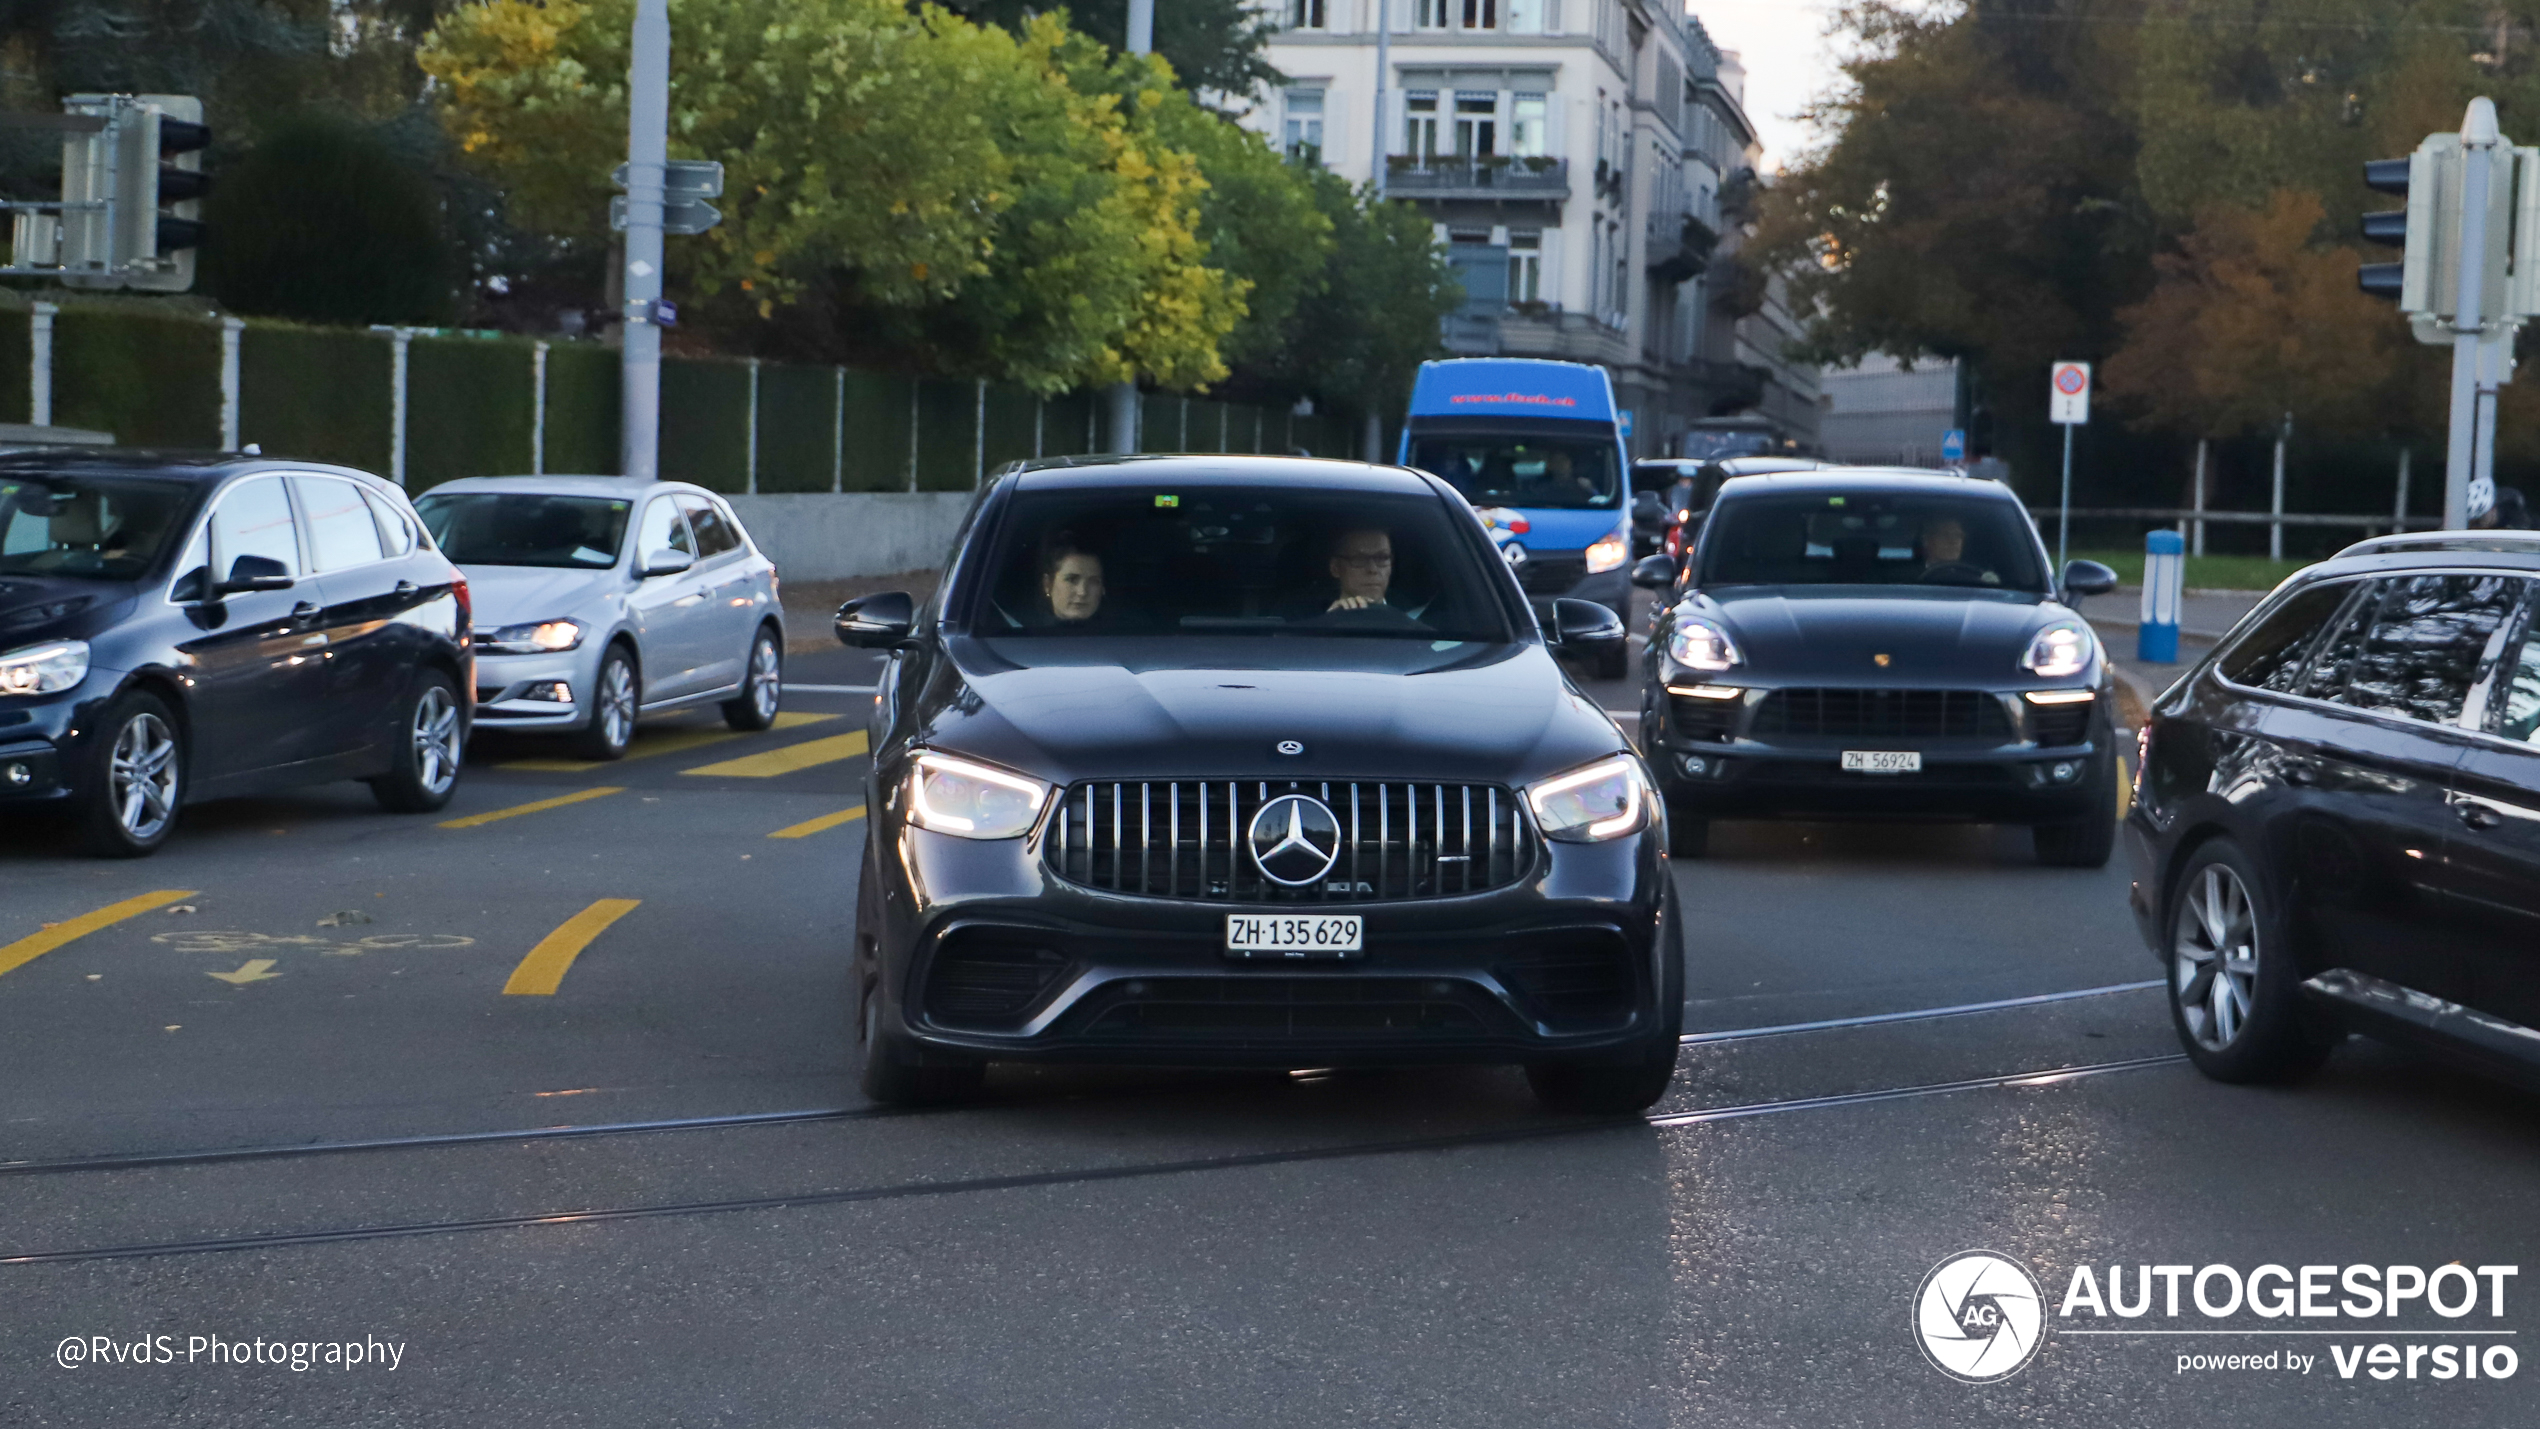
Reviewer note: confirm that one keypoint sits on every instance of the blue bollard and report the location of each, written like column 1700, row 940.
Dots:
column 2164, row 583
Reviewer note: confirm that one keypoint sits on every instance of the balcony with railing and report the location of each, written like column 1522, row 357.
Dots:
column 1496, row 177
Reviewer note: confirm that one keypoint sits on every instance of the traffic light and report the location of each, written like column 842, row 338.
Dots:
column 132, row 190
column 2391, row 176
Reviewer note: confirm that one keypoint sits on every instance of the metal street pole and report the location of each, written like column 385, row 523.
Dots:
column 1123, row 396
column 2064, row 517
column 2460, row 463
column 2495, row 369
column 1384, row 63
column 2275, row 529
column 647, row 153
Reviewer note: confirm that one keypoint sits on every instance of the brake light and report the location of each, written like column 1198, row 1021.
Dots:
column 458, row 588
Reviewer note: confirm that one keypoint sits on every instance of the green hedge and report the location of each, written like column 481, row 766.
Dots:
column 320, row 394
column 583, row 393
column 16, row 363
column 877, row 432
column 797, row 413
column 946, row 459
column 705, row 422
column 152, row 381
column 469, row 403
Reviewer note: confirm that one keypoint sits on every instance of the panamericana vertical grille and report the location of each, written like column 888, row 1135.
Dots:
column 1187, row 839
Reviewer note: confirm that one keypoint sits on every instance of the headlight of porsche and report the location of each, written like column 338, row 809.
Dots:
column 1605, row 555
column 2060, row 649
column 44, row 669
column 973, row 800
column 538, row 637
column 1702, row 645
column 1604, row 800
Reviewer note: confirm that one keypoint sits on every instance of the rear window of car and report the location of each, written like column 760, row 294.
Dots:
column 2268, row 654
column 2413, row 651
column 1871, row 536
column 520, row 528
column 1238, row 562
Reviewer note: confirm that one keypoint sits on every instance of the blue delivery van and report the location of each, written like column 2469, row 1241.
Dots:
column 1537, row 447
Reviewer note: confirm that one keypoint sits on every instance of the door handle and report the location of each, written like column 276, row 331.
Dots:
column 304, row 612
column 2477, row 816
column 407, row 587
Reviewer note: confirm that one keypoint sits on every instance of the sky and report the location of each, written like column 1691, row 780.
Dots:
column 1789, row 63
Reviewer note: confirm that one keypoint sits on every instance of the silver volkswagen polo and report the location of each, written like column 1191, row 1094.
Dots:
column 598, row 600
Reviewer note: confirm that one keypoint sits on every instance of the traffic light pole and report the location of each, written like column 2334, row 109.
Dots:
column 2465, row 459
column 647, row 158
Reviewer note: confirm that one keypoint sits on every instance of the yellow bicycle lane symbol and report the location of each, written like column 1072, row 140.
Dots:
column 205, row 940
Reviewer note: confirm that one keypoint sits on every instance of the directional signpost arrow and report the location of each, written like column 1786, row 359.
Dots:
column 252, row 970
column 686, row 184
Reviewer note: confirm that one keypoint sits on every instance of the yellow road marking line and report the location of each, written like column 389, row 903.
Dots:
column 820, row 825
column 534, row 806
column 2125, row 787
column 545, row 967
column 791, row 759
column 35, row 945
column 668, row 741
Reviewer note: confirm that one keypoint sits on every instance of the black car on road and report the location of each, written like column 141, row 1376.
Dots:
column 2336, row 823
column 1251, row 761
column 176, row 629
column 1858, row 644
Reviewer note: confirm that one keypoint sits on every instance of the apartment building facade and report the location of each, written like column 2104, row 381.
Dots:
column 1588, row 165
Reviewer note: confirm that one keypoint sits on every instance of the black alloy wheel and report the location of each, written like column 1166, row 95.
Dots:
column 2087, row 841
column 615, row 696
column 425, row 745
column 133, row 779
column 762, row 684
column 2234, row 998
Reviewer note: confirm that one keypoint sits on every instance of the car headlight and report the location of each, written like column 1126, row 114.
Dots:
column 1605, row 800
column 538, row 637
column 1701, row 645
column 2060, row 649
column 44, row 669
column 975, row 801
column 1605, row 555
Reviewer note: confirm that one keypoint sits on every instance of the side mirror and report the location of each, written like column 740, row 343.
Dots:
column 666, row 563
column 254, row 573
column 1585, row 629
column 1654, row 572
column 2086, row 578
column 881, row 621
column 1648, row 509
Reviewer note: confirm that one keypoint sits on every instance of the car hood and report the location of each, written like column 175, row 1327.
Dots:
column 513, row 595
column 34, row 609
column 1505, row 716
column 1834, row 634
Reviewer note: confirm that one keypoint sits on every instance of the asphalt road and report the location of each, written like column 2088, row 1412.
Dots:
column 1124, row 1248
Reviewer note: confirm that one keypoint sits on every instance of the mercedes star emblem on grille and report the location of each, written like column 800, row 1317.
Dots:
column 1291, row 746
column 1295, row 840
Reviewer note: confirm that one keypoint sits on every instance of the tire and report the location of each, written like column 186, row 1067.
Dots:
column 762, row 684
column 890, row 1074
column 2234, row 983
column 616, row 693
column 133, row 779
column 2087, row 841
column 429, row 738
column 1623, row 1088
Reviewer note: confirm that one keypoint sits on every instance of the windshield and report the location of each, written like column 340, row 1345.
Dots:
column 1870, row 538
column 1237, row 562
column 508, row 528
column 1527, row 471
column 97, row 527
column 1715, row 444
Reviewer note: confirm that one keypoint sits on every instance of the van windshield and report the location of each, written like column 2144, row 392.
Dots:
column 1527, row 471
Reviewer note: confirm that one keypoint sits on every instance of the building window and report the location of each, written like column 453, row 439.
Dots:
column 1420, row 132
column 1303, row 136
column 1476, row 123
column 1431, row 15
column 1525, row 267
column 1481, row 14
column 1527, row 114
column 1524, row 17
column 1306, row 14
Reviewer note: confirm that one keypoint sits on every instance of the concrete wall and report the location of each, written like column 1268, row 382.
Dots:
column 825, row 537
